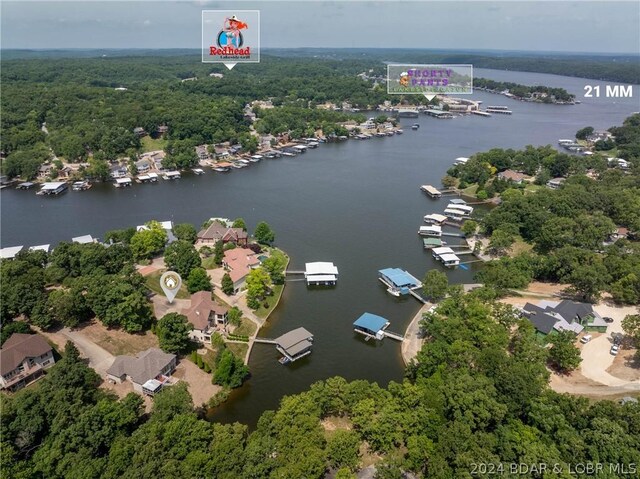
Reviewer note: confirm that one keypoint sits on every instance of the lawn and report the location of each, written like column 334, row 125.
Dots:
column 531, row 188
column 246, row 328
column 470, row 191
column 149, row 144
column 272, row 301
column 519, row 246
column 238, row 349
column 153, row 283
column 209, row 263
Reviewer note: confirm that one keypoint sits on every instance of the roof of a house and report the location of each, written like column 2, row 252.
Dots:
column 543, row 322
column 511, row 175
column 571, row 310
column 19, row 347
column 201, row 307
column 240, row 260
column 372, row 322
column 295, row 341
column 217, row 231
column 399, row 277
column 147, row 365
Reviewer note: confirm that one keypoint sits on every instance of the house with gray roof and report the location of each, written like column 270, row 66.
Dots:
column 566, row 315
column 148, row 372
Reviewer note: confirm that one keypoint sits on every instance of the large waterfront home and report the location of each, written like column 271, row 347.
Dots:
column 23, row 359
column 239, row 262
column 217, row 231
column 550, row 316
column 205, row 315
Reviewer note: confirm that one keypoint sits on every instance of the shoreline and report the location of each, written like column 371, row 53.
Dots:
column 412, row 344
column 260, row 322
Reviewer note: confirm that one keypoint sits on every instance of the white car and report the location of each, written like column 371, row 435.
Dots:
column 614, row 350
column 585, row 339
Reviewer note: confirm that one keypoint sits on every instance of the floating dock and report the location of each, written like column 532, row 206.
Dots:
column 480, row 113
column 431, row 191
column 293, row 345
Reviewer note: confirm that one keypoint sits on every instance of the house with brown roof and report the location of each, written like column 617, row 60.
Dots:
column 216, row 232
column 23, row 359
column 148, row 372
column 239, row 262
column 205, row 315
column 511, row 175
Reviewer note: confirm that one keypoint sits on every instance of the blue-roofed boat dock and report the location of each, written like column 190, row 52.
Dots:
column 372, row 326
column 398, row 281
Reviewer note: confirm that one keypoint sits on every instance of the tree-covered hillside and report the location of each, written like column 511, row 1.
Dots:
column 476, row 397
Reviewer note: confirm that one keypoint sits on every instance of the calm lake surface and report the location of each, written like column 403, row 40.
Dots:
column 355, row 203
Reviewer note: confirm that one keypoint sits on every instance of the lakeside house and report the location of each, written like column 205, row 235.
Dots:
column 239, row 262
column 205, row 315
column 511, row 175
column 138, row 130
column 118, row 171
column 555, row 183
column 167, row 226
column 566, row 315
column 216, row 232
column 148, row 372
column 23, row 359
column 143, row 165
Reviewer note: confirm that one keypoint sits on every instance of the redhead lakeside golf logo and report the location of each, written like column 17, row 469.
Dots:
column 429, row 79
column 230, row 36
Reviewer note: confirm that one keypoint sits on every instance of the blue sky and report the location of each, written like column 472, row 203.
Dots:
column 585, row 26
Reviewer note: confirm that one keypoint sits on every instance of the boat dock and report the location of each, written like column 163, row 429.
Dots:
column 293, row 345
column 457, row 235
column 480, row 113
column 431, row 191
column 416, row 293
column 392, row 335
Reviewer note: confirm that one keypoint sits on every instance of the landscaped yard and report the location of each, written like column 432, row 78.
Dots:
column 531, row 188
column 153, row 283
column 246, row 328
column 470, row 191
column 272, row 301
column 209, row 263
column 149, row 144
column 239, row 349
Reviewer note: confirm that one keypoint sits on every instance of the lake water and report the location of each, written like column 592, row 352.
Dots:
column 355, row 203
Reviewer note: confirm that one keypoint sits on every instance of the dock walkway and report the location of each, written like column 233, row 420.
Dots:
column 415, row 293
column 264, row 340
column 392, row 335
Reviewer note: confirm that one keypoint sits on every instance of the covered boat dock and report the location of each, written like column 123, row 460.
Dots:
column 294, row 345
column 321, row 273
column 398, row 281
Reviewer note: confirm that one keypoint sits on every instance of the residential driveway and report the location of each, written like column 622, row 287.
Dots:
column 596, row 356
column 99, row 359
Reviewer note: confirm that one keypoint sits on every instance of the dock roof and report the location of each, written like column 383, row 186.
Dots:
column 399, row 277
column 52, row 186
column 10, row 252
column 42, row 247
column 83, row 239
column 371, row 322
column 320, row 267
column 295, row 341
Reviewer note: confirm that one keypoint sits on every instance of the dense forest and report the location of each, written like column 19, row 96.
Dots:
column 475, row 398
column 524, row 91
column 569, row 228
column 90, row 106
